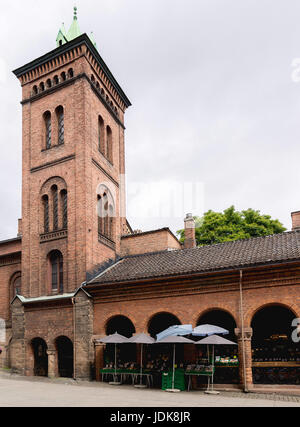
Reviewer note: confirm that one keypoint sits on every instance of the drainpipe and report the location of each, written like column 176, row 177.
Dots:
column 74, row 334
column 243, row 331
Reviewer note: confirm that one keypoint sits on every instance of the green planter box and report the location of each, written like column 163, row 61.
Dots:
column 179, row 381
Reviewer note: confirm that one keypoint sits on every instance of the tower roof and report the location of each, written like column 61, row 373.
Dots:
column 74, row 32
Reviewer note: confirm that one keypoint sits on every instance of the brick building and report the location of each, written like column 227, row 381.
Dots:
column 77, row 271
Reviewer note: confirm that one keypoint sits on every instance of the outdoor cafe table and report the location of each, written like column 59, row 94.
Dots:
column 123, row 373
column 190, row 374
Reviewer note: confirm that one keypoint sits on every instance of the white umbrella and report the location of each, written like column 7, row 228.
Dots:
column 114, row 339
column 204, row 330
column 214, row 340
column 141, row 339
column 175, row 330
column 174, row 340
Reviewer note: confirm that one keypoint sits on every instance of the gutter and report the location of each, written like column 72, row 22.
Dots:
column 243, row 332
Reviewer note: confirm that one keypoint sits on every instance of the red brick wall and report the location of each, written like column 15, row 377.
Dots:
column 80, row 164
column 48, row 324
column 7, row 273
column 148, row 242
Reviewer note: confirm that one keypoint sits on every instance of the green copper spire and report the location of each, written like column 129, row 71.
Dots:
column 62, row 36
column 74, row 30
column 92, row 38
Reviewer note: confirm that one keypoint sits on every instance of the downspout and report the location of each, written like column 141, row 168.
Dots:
column 74, row 334
column 243, row 332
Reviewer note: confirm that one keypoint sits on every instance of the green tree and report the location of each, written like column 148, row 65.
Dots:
column 230, row 225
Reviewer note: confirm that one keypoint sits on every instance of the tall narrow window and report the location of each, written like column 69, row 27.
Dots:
column 57, row 266
column 101, row 136
column 111, row 218
column 109, row 147
column 100, row 215
column 46, row 213
column 17, row 286
column 61, row 125
column 48, row 129
column 55, row 207
column 64, row 205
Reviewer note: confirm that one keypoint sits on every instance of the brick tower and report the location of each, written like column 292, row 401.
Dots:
column 73, row 203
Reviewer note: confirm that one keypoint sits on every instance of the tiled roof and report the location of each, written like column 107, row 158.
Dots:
column 230, row 255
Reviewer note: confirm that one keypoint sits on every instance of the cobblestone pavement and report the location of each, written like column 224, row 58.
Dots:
column 16, row 391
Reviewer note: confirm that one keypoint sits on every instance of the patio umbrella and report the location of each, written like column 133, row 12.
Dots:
column 141, row 339
column 204, row 330
column 213, row 340
column 174, row 340
column 175, row 330
column 114, row 339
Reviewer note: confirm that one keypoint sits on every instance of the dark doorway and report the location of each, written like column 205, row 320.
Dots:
column 224, row 373
column 65, row 357
column 160, row 322
column 275, row 357
column 126, row 352
column 39, row 348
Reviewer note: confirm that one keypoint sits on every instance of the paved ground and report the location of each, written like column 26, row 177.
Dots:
column 18, row 391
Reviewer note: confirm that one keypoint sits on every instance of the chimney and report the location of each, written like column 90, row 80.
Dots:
column 295, row 221
column 190, row 235
column 19, row 228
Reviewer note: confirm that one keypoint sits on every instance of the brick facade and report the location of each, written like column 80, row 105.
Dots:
column 44, row 322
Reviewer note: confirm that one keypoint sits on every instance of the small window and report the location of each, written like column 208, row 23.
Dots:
column 64, row 208
column 48, row 84
column 63, row 76
column 71, row 73
column 17, row 286
column 101, row 135
column 57, row 268
column 42, row 86
column 55, row 207
column 48, row 129
column 60, row 125
column 109, row 144
column 46, row 213
column 35, row 90
column 56, row 80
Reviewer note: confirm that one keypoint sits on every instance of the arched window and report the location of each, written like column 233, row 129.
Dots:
column 60, row 125
column 109, row 144
column 71, row 73
column 17, row 286
column 98, row 85
column 93, row 79
column 57, row 268
column 56, row 80
column 46, row 213
column 55, row 207
column 64, row 208
column 48, row 84
column 101, row 136
column 48, row 129
column 42, row 86
column 111, row 224
column 35, row 90
column 106, row 214
column 100, row 215
column 63, row 76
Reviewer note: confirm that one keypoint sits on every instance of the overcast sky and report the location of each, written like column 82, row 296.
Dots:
column 215, row 119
